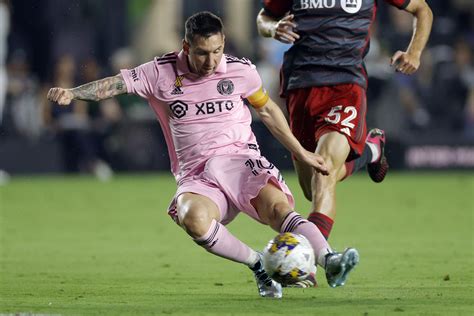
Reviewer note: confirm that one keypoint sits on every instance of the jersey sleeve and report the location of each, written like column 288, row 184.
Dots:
column 277, row 8
column 255, row 94
column 401, row 4
column 141, row 80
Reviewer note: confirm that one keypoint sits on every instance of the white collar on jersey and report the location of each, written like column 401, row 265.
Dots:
column 183, row 68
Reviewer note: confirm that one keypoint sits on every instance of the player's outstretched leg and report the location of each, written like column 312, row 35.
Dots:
column 273, row 208
column 266, row 286
column 339, row 265
column 198, row 216
column 219, row 241
column 377, row 168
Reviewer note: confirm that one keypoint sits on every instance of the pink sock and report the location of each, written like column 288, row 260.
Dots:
column 219, row 241
column 294, row 223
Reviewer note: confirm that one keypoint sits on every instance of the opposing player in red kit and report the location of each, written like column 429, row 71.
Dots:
column 324, row 81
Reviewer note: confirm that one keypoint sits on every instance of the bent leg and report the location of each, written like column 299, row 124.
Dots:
column 334, row 148
column 200, row 216
column 273, row 209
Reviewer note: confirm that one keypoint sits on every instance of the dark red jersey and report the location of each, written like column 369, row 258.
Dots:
column 334, row 39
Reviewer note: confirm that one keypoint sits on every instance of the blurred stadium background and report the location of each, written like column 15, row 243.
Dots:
column 74, row 246
column 429, row 117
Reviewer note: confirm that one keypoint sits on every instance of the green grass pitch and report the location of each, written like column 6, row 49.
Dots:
column 75, row 246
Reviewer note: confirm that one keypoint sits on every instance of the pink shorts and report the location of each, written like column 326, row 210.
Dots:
column 232, row 181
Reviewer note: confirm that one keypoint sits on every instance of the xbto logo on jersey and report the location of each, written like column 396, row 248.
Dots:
column 213, row 107
column 179, row 108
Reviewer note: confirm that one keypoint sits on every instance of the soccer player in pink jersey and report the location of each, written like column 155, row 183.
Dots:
column 198, row 97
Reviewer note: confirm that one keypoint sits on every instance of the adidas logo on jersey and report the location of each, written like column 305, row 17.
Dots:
column 177, row 91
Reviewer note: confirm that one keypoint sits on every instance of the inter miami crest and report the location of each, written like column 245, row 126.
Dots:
column 225, row 87
column 178, row 84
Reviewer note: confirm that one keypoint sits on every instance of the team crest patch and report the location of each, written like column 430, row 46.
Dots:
column 225, row 87
column 351, row 6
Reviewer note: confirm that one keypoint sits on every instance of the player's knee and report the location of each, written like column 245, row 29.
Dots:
column 196, row 222
column 331, row 162
column 278, row 214
column 322, row 181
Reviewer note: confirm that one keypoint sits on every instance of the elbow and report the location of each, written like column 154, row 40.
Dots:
column 263, row 24
column 264, row 113
column 429, row 13
column 425, row 13
column 260, row 28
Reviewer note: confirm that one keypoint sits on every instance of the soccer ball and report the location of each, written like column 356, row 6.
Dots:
column 289, row 258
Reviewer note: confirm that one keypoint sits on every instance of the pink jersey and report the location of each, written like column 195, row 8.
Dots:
column 201, row 117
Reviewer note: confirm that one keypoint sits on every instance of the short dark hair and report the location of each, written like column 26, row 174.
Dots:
column 204, row 24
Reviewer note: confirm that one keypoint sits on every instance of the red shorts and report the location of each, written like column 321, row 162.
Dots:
column 315, row 111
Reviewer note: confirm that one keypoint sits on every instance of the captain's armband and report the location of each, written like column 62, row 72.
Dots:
column 259, row 98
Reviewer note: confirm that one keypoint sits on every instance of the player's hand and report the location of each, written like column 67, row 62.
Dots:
column 405, row 63
column 60, row 95
column 283, row 30
column 314, row 160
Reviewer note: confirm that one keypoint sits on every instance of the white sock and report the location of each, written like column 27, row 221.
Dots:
column 321, row 259
column 252, row 259
column 375, row 151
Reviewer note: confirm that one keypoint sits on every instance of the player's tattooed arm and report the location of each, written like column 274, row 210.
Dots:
column 92, row 91
column 100, row 89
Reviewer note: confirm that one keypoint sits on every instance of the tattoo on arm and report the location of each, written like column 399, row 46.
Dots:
column 100, row 89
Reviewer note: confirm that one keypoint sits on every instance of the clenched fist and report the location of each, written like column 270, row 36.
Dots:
column 60, row 95
column 405, row 63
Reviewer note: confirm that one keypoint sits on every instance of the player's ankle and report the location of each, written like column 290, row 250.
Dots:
column 323, row 222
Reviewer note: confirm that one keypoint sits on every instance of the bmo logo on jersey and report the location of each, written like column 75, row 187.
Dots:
column 317, row 4
column 350, row 6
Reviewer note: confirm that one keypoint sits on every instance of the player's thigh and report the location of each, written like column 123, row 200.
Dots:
column 196, row 212
column 302, row 122
column 334, row 148
column 342, row 110
column 272, row 205
column 242, row 176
